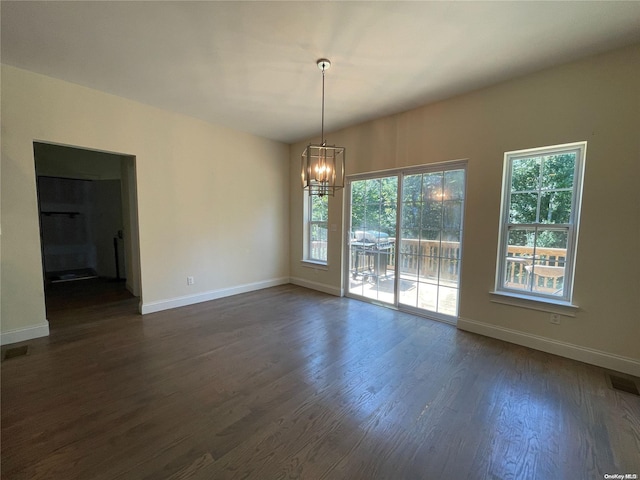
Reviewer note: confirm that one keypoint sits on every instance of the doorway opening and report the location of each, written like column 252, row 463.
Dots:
column 87, row 205
column 405, row 238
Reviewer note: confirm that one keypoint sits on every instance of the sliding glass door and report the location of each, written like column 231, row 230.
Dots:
column 374, row 205
column 405, row 234
column 431, row 227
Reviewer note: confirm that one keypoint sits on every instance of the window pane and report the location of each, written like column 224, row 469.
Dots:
column 408, row 262
column 525, row 174
column 454, row 236
column 372, row 194
column 408, row 234
column 318, row 232
column 454, row 185
column 430, row 246
column 432, row 186
column 357, row 191
column 371, row 217
column 376, row 236
column 520, row 243
column 555, row 207
column 432, row 216
column 453, row 215
column 523, row 208
column 450, row 250
column 319, row 208
column 427, row 296
column 558, row 171
column 449, row 270
column 521, row 240
column 411, row 214
column 430, row 235
column 547, row 238
column 408, row 289
column 429, row 269
column 536, row 259
column 447, row 300
column 515, row 273
column 318, row 242
column 389, row 230
column 389, row 205
column 548, row 268
column 412, row 188
column 548, row 280
column 389, row 190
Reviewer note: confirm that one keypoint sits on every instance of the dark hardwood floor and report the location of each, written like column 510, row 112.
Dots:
column 62, row 297
column 291, row 383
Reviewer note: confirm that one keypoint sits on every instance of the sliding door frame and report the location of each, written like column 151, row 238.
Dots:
column 347, row 233
column 400, row 173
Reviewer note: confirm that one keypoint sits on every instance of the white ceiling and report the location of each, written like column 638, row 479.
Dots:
column 252, row 65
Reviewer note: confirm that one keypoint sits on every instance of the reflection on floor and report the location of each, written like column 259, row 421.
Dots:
column 441, row 298
column 73, row 295
column 68, row 275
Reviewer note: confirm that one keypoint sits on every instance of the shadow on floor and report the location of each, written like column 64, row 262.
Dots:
column 63, row 297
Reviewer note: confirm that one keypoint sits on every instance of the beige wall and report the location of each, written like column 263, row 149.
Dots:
column 211, row 201
column 597, row 100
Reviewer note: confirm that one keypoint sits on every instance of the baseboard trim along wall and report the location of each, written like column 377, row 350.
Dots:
column 152, row 307
column 563, row 349
column 321, row 287
column 23, row 334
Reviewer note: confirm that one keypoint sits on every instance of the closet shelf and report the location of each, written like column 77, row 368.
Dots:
column 69, row 214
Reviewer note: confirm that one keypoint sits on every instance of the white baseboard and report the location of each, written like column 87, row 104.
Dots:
column 321, row 287
column 576, row 352
column 151, row 307
column 23, row 334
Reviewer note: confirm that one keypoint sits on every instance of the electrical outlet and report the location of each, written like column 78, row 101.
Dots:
column 190, row 281
column 555, row 319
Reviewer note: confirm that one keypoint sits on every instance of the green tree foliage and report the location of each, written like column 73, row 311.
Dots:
column 319, row 208
column 541, row 191
column 431, row 205
column 373, row 205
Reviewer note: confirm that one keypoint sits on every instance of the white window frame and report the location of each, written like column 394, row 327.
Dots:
column 308, row 227
column 572, row 227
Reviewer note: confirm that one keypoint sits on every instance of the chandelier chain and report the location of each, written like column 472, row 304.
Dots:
column 322, row 133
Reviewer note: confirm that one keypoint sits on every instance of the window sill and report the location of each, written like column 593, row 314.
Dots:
column 542, row 304
column 314, row 264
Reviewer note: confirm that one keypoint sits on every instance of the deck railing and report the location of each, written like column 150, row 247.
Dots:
column 542, row 269
column 432, row 258
column 429, row 259
column 318, row 249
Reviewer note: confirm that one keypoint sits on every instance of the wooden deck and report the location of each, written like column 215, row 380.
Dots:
column 291, row 383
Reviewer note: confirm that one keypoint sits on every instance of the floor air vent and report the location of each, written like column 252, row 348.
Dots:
column 15, row 352
column 623, row 384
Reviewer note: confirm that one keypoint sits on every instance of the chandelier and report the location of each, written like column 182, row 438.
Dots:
column 323, row 165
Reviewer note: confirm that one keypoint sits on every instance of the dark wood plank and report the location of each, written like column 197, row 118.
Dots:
column 291, row 383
